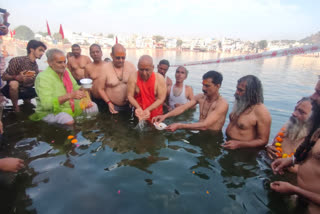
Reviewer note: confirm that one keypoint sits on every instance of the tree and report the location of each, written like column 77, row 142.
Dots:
column 179, row 42
column 262, row 44
column 157, row 38
column 24, row 33
column 66, row 41
column 44, row 34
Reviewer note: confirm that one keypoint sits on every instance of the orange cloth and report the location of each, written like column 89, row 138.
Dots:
column 146, row 95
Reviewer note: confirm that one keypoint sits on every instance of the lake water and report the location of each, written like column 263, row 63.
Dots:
column 120, row 169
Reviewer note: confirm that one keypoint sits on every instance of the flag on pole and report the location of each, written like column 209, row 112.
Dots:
column 61, row 31
column 48, row 29
column 11, row 34
column 116, row 40
column 14, row 32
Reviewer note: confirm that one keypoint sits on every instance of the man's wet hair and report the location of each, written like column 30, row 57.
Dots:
column 95, row 45
column 254, row 90
column 75, row 46
column 187, row 72
column 51, row 52
column 215, row 76
column 164, row 62
column 34, row 44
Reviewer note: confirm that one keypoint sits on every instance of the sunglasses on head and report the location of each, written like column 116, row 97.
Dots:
column 120, row 57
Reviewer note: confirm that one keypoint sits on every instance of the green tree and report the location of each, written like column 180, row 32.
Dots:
column 24, row 33
column 262, row 44
column 179, row 42
column 44, row 34
column 157, row 38
column 66, row 41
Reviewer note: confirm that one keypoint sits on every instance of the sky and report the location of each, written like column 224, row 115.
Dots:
column 244, row 19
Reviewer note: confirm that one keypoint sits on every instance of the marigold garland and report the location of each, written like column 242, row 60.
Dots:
column 278, row 145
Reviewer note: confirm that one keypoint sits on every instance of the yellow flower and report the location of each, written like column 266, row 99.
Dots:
column 277, row 144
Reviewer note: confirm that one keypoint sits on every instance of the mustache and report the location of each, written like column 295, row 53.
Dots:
column 205, row 92
column 237, row 96
column 294, row 120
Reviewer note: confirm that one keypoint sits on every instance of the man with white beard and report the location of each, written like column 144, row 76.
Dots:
column 293, row 132
column 250, row 120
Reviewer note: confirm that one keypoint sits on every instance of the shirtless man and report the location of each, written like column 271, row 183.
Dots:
column 308, row 158
column 146, row 90
column 96, row 71
column 293, row 132
column 163, row 67
column 77, row 63
column 112, row 83
column 180, row 93
column 250, row 120
column 213, row 107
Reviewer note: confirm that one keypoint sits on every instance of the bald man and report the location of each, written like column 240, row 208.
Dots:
column 112, row 83
column 146, row 90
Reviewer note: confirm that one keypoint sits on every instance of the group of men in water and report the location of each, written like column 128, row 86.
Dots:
column 119, row 87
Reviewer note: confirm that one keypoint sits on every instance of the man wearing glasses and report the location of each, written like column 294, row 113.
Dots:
column 114, row 80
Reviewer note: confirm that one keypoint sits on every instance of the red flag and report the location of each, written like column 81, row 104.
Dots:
column 61, row 31
column 14, row 32
column 48, row 29
column 11, row 34
column 116, row 40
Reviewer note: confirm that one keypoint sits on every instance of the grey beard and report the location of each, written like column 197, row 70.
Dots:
column 239, row 106
column 296, row 129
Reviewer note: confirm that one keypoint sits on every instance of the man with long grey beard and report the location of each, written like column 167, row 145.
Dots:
column 293, row 132
column 250, row 120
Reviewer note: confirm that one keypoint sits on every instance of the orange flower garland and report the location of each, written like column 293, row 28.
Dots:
column 278, row 145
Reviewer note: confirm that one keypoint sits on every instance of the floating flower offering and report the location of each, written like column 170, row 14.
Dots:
column 74, row 141
column 160, row 126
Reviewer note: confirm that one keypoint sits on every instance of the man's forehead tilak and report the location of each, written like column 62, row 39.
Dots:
column 62, row 58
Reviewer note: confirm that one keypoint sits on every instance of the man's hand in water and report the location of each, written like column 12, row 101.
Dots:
column 231, row 144
column 111, row 108
column 146, row 114
column 283, row 187
column 11, row 164
column 280, row 164
column 142, row 114
column 158, row 119
column 173, row 127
